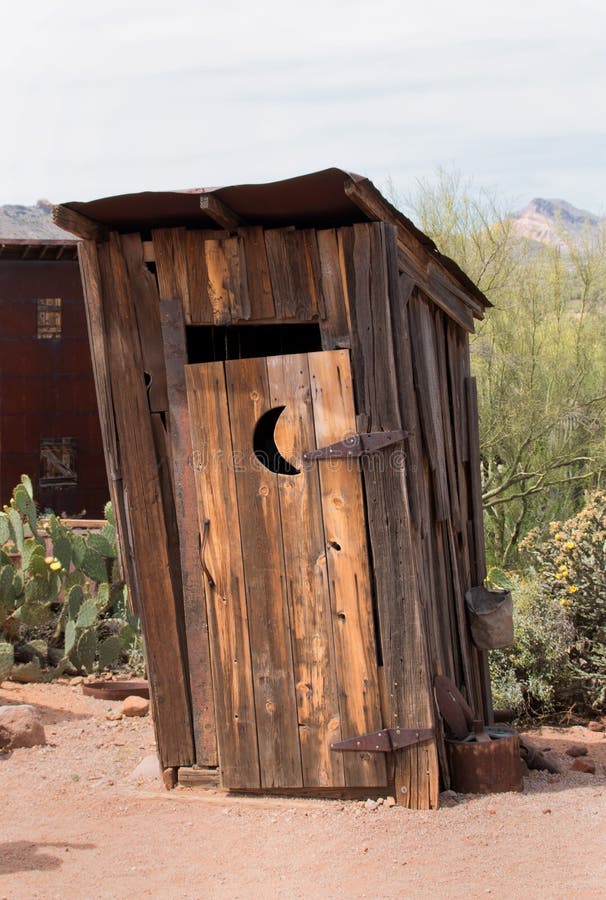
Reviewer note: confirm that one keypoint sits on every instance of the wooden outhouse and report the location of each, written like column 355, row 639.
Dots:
column 291, row 438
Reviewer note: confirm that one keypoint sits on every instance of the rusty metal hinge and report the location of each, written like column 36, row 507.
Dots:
column 357, row 445
column 386, row 740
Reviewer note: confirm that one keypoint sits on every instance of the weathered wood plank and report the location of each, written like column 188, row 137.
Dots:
column 425, row 366
column 227, row 287
column 159, row 604
column 406, row 396
column 314, row 273
column 220, row 212
column 277, row 261
column 257, row 273
column 200, row 308
column 269, row 626
column 170, row 248
column 79, row 224
column 93, row 303
column 335, row 324
column 144, row 292
column 194, row 606
column 348, row 569
column 373, row 288
column 212, row 455
column 446, row 402
column 306, row 575
column 288, row 267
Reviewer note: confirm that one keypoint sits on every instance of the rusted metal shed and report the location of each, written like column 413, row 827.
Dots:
column 49, row 427
column 291, row 435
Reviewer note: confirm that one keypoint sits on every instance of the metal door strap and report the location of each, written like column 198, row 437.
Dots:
column 386, row 740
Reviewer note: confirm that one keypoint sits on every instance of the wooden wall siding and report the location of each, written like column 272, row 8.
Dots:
column 157, row 586
column 372, row 276
column 255, row 275
column 194, row 607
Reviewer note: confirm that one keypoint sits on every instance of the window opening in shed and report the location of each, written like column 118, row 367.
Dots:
column 49, row 318
column 58, row 462
column 215, row 343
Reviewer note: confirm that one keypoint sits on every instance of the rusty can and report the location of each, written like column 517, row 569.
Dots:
column 487, row 766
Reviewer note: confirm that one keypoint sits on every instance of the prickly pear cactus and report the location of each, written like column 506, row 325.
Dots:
column 6, row 660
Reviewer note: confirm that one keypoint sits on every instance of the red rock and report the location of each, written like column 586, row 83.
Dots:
column 584, row 765
column 134, row 706
column 577, row 750
column 596, row 726
column 20, row 727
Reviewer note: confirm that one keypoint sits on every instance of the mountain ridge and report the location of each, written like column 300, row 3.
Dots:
column 557, row 223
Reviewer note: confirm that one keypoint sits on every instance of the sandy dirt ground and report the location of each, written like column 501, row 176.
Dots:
column 77, row 824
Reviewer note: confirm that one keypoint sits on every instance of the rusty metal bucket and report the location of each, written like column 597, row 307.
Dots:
column 487, row 766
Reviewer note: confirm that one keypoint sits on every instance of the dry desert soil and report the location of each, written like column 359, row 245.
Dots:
column 77, row 824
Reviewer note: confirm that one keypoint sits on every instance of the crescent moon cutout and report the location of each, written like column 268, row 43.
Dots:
column 264, row 444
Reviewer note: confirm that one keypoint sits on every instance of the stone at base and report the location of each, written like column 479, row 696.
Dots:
column 134, row 706
column 584, row 765
column 148, row 769
column 20, row 727
column 577, row 750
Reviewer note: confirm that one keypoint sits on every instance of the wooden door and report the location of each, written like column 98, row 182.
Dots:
column 292, row 639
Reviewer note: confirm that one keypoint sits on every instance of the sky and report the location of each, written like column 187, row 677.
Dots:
column 115, row 97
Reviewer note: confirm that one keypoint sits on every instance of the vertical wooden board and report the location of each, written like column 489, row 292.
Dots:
column 144, row 291
column 428, row 390
column 301, row 291
column 373, row 287
column 170, row 250
column 335, row 326
column 160, row 603
column 213, row 462
column 257, row 273
column 239, row 302
column 269, row 626
column 194, row 606
column 91, row 282
column 279, row 271
column 314, row 272
column 306, row 575
column 352, row 614
column 220, row 287
column 201, row 312
column 448, row 425
column 406, row 395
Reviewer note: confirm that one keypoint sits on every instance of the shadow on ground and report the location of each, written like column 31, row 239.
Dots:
column 27, row 856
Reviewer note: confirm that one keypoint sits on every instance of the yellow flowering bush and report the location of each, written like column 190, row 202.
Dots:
column 571, row 566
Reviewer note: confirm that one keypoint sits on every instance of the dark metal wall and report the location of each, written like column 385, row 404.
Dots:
column 46, row 386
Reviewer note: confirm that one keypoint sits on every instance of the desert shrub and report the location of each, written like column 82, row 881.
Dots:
column 531, row 676
column 571, row 564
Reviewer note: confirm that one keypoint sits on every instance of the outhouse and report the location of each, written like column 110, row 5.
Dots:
column 291, row 438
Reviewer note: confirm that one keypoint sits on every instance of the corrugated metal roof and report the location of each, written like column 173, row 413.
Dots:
column 31, row 250
column 319, row 199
